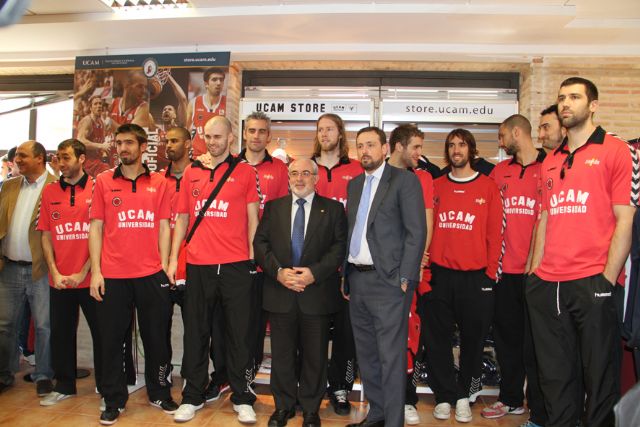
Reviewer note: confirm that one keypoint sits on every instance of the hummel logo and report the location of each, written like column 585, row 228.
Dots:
column 347, row 177
column 268, row 176
column 481, row 201
column 486, row 289
column 151, row 189
column 602, row 294
column 591, row 162
column 458, row 191
column 164, row 285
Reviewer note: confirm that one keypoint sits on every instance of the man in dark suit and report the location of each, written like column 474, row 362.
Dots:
column 387, row 235
column 301, row 289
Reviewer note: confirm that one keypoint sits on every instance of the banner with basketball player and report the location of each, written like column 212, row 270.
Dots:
column 157, row 92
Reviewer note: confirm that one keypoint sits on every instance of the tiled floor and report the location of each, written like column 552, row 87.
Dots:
column 19, row 406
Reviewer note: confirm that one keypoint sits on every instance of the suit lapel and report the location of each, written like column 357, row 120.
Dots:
column 315, row 217
column 383, row 186
column 284, row 224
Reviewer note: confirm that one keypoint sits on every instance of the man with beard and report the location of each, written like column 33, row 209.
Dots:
column 220, row 269
column 64, row 222
column 406, row 148
column 518, row 179
column 465, row 257
column 335, row 170
column 550, row 130
column 387, row 234
column 203, row 107
column 274, row 183
column 129, row 248
column 589, row 191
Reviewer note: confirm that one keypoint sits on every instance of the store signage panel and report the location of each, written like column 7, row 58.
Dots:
column 447, row 111
column 309, row 109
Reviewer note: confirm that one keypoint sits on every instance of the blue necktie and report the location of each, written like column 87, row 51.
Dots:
column 297, row 234
column 361, row 217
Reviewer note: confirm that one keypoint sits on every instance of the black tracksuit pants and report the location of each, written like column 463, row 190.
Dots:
column 342, row 365
column 232, row 286
column 150, row 297
column 65, row 313
column 571, row 321
column 464, row 298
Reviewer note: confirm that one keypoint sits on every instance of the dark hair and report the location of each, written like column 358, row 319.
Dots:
column 381, row 135
column 78, row 147
column 184, row 133
column 342, row 139
column 403, row 134
column 467, row 137
column 11, row 154
column 259, row 115
column 590, row 89
column 38, row 150
column 551, row 109
column 135, row 129
column 212, row 70
column 518, row 120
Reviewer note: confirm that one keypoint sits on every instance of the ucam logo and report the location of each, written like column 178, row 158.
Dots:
column 570, row 196
column 90, row 62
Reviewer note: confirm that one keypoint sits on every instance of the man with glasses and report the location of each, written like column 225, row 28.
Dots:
column 301, row 289
column 589, row 191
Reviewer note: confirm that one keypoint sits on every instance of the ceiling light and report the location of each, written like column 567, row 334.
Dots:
column 124, row 5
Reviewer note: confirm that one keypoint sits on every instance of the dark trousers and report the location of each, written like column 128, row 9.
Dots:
column 232, row 286
column 379, row 317
column 571, row 321
column 150, row 297
column 464, row 298
column 217, row 348
column 65, row 312
column 342, row 367
column 535, row 399
column 309, row 333
column 508, row 333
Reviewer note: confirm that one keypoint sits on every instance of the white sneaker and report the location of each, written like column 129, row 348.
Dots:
column 186, row 412
column 442, row 411
column 411, row 416
column 53, row 398
column 103, row 405
column 463, row 411
column 246, row 414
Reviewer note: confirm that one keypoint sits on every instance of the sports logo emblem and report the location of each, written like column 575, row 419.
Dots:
column 195, row 192
column 55, row 215
column 549, row 183
column 116, row 201
column 149, row 67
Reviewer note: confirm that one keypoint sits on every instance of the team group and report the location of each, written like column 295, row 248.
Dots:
column 533, row 247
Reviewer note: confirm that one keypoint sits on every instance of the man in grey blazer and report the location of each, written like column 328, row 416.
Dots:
column 387, row 234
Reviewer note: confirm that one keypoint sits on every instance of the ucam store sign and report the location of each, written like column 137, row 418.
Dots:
column 447, row 111
column 308, row 109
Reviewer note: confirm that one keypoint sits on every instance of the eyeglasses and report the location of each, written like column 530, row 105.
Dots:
column 568, row 162
column 304, row 174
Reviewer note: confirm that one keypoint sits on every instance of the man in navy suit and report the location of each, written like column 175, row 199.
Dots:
column 300, row 244
column 387, row 235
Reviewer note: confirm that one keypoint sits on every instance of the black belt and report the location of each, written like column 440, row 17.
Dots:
column 363, row 267
column 24, row 263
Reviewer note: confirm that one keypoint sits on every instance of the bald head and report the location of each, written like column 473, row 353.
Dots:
column 31, row 159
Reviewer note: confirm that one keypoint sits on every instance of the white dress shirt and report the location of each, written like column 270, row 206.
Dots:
column 364, row 257
column 15, row 245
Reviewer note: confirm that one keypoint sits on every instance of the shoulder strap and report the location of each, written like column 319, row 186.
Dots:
column 212, row 196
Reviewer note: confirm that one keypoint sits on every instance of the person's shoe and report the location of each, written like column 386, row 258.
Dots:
column 411, row 416
column 530, row 423
column 82, row 373
column 442, row 411
column 103, row 404
column 246, row 414
column 463, row 411
column 110, row 416
column 340, row 402
column 280, row 417
column 31, row 359
column 44, row 387
column 186, row 412
column 213, row 391
column 27, row 378
column 53, row 398
column 499, row 409
column 310, row 419
column 167, row 405
column 367, row 423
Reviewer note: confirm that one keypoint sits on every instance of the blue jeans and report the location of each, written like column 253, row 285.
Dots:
column 16, row 286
